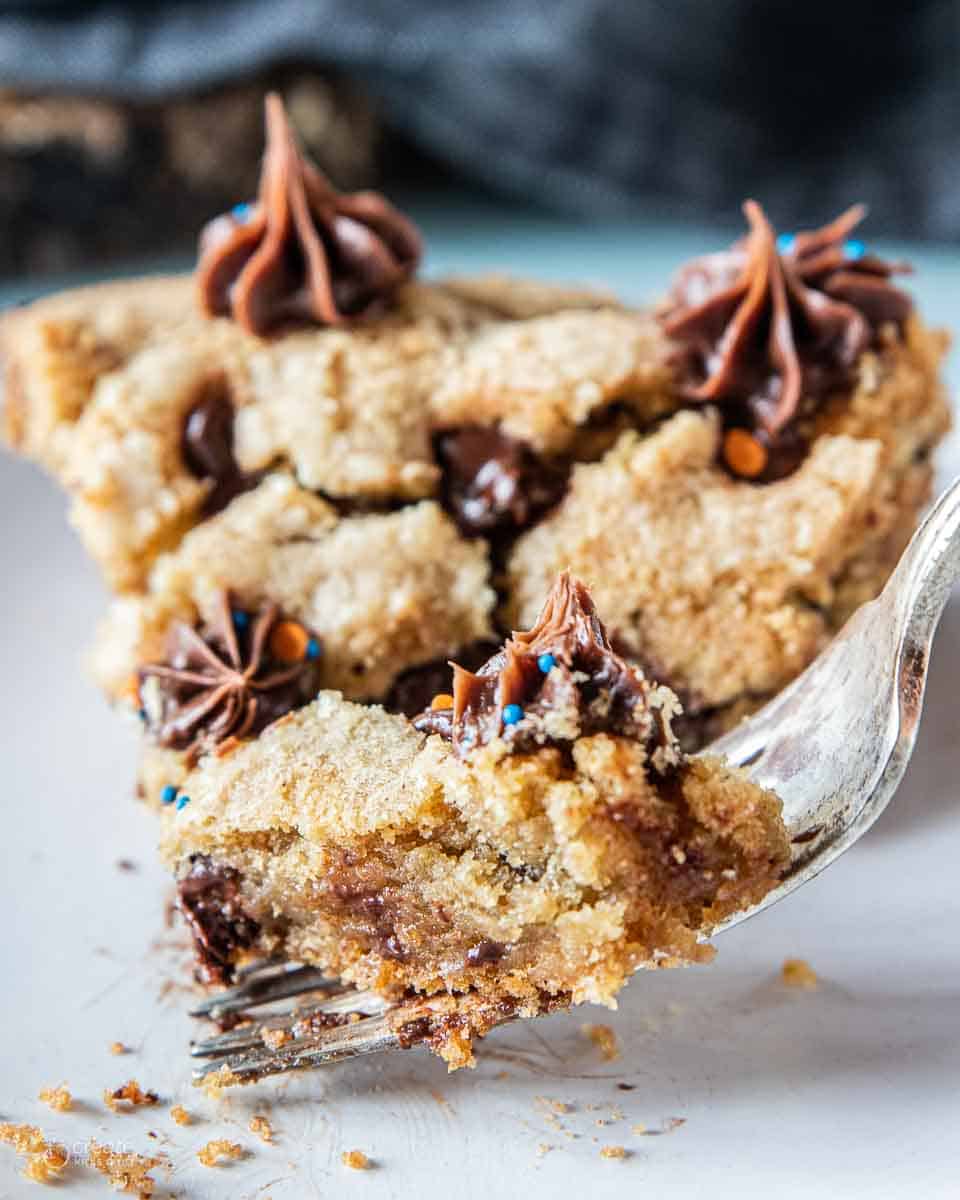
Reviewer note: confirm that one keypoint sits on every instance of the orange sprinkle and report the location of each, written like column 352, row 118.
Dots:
column 745, row 455
column 131, row 690
column 289, row 641
column 441, row 701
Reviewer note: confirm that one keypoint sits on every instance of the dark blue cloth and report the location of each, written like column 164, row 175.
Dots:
column 591, row 105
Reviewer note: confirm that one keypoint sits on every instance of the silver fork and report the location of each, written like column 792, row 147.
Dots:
column 833, row 745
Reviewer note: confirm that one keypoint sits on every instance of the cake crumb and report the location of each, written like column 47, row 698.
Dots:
column 604, row 1039
column 356, row 1160
column 544, row 1148
column 45, row 1160
column 613, row 1152
column 261, row 1127
column 638, row 1129
column 180, row 1115
column 557, row 1106
column 214, row 1085
column 129, row 1094
column 119, row 1048
column 220, row 1148
column 273, row 1039
column 57, row 1098
column 797, row 973
column 128, row 1173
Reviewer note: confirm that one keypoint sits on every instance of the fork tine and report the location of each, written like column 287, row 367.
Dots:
column 367, row 1036
column 368, row 1004
column 262, row 988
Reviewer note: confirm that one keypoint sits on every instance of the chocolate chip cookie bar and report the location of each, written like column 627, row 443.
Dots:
column 527, row 842
column 403, row 466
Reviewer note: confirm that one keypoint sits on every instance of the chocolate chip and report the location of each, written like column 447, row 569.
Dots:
column 207, row 446
column 393, row 948
column 208, row 434
column 413, row 690
column 495, row 483
column 487, row 951
column 209, row 896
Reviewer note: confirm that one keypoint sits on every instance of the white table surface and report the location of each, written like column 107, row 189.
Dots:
column 851, row 1090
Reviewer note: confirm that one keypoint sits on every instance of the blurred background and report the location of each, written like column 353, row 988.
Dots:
column 125, row 126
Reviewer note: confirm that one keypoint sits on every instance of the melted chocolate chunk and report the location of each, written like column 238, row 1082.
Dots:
column 559, row 681
column 493, row 483
column 413, row 690
column 487, row 951
column 207, row 447
column 209, row 898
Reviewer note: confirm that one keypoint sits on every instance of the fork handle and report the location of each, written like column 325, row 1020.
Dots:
column 926, row 575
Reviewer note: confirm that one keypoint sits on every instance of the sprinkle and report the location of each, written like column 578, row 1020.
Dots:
column 289, row 642
column 744, row 454
column 854, row 249
column 182, row 802
column 142, row 714
column 241, row 212
column 512, row 713
column 786, row 243
column 313, row 649
column 240, row 619
column 169, row 794
column 546, row 663
column 441, row 701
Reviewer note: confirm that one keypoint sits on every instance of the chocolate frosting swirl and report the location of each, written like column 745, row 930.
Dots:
column 303, row 250
column 771, row 322
column 587, row 688
column 226, row 680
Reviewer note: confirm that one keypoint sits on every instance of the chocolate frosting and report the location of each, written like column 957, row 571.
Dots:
column 221, row 682
column 764, row 328
column 303, row 250
column 587, row 689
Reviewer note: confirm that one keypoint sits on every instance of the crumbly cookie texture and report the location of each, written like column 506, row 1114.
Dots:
column 100, row 381
column 343, row 837
column 383, row 592
column 726, row 589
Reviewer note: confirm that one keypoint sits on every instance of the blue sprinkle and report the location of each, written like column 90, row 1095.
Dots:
column 182, row 802
column 142, row 714
column 313, row 649
column 546, row 663
column 241, row 212
column 512, row 713
column 786, row 243
column 854, row 249
column 240, row 619
column 169, row 794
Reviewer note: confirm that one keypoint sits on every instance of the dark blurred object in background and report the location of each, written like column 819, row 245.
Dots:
column 90, row 180
column 593, row 106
